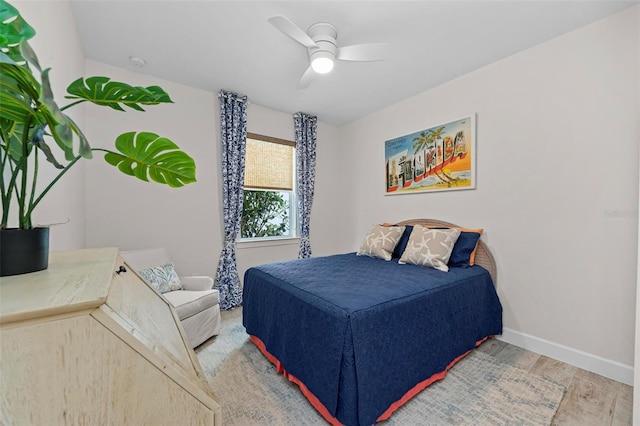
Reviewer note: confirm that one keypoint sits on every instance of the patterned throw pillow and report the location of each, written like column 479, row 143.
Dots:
column 430, row 247
column 380, row 241
column 163, row 278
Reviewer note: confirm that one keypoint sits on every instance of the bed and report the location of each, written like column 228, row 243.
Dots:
column 361, row 336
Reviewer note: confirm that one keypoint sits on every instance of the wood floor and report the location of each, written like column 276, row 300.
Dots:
column 590, row 399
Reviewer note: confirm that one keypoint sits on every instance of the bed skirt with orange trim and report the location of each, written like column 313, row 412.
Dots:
column 315, row 402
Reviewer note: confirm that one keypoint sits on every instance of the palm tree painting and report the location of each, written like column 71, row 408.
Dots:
column 437, row 158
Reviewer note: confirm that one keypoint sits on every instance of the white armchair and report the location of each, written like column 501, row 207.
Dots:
column 197, row 303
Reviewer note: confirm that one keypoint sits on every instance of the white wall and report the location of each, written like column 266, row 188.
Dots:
column 58, row 47
column 557, row 181
column 128, row 213
column 125, row 212
column 636, row 383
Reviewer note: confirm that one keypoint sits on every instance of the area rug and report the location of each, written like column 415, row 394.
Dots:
column 479, row 390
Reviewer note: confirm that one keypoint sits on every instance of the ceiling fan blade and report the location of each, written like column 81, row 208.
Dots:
column 292, row 30
column 363, row 52
column 306, row 79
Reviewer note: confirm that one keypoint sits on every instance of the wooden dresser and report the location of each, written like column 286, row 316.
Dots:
column 88, row 342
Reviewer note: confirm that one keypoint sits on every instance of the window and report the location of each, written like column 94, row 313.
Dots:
column 269, row 205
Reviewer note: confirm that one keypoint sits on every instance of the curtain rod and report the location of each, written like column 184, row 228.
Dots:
column 305, row 116
column 225, row 94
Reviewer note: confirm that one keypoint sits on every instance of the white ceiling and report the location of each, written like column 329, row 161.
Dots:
column 215, row 45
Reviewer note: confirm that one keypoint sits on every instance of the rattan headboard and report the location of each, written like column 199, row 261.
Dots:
column 483, row 258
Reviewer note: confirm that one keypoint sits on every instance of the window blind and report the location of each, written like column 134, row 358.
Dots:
column 268, row 165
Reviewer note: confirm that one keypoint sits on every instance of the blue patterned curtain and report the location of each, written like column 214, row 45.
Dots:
column 306, row 135
column 233, row 135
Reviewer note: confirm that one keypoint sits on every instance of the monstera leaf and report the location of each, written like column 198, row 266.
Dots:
column 147, row 156
column 13, row 31
column 18, row 89
column 103, row 91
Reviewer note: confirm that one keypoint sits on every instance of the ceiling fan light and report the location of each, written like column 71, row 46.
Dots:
column 322, row 64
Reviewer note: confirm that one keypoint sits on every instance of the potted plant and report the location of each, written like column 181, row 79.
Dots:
column 31, row 120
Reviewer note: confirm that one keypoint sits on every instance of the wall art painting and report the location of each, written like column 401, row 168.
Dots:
column 438, row 158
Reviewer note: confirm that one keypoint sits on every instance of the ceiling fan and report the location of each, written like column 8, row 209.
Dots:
column 322, row 47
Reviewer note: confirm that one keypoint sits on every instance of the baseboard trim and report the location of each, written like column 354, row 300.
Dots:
column 605, row 367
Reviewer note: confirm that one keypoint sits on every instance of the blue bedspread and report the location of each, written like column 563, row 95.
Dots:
column 360, row 332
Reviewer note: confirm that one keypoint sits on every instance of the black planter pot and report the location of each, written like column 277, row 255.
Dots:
column 23, row 250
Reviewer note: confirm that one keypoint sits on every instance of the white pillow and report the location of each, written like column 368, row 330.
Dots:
column 430, row 247
column 380, row 241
